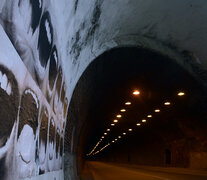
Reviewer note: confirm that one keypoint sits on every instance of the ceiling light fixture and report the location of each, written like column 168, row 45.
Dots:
column 181, row 94
column 167, row 103
column 157, row 110
column 128, row 103
column 136, row 92
column 123, row 110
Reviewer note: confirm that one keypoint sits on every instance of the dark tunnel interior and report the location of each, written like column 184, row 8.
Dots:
column 172, row 137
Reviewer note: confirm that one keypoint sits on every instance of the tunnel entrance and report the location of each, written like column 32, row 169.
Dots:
column 156, row 119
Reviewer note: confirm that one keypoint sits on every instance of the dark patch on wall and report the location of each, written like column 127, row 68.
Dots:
column 28, row 111
column 57, row 142
column 61, row 146
column 3, row 168
column 53, row 67
column 41, row 171
column 9, row 98
column 95, row 19
column 76, row 5
column 78, row 44
column 44, row 126
column 45, row 40
column 76, row 47
column 36, row 13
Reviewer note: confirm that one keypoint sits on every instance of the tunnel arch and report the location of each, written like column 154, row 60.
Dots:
column 107, row 72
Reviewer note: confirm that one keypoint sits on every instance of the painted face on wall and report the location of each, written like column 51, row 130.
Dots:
column 9, row 98
column 43, row 146
column 26, row 139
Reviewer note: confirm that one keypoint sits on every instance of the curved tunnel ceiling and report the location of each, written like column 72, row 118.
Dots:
column 109, row 82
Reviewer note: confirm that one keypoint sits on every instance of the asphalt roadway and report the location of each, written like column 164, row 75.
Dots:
column 108, row 171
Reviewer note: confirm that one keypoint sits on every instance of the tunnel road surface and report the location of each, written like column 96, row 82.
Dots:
column 109, row 171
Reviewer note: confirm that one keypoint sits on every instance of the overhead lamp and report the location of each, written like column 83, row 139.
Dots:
column 130, row 130
column 149, row 116
column 167, row 103
column 128, row 103
column 181, row 94
column 123, row 110
column 108, row 130
column 144, row 120
column 119, row 137
column 157, row 110
column 124, row 133
column 136, row 92
column 102, row 137
column 105, row 133
column 138, row 124
column 113, row 141
column 115, row 120
column 112, row 124
column 119, row 116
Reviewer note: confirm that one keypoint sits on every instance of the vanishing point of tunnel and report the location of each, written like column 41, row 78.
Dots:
column 103, row 90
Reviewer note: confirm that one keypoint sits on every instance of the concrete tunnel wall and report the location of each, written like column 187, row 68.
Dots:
column 47, row 45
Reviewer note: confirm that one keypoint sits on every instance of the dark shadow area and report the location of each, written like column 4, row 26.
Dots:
column 174, row 137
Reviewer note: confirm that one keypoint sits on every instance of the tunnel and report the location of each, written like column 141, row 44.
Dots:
column 160, row 127
column 103, row 89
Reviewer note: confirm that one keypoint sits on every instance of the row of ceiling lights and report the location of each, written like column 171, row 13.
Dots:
column 136, row 92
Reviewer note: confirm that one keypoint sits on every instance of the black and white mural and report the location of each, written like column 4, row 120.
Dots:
column 33, row 102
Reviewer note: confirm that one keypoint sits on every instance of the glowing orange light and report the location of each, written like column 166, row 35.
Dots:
column 181, row 94
column 149, row 116
column 144, row 120
column 115, row 120
column 167, row 103
column 157, row 110
column 108, row 129
column 136, row 92
column 130, row 129
column 123, row 110
column 118, row 116
column 112, row 124
column 105, row 133
column 128, row 103
column 138, row 124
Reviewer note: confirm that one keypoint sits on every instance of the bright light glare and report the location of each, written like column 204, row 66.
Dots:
column 108, row 130
column 157, row 110
column 112, row 124
column 130, row 129
column 128, row 103
column 149, row 116
column 167, row 103
column 102, row 137
column 124, row 133
column 119, row 137
column 123, row 110
column 105, row 133
column 113, row 141
column 181, row 94
column 115, row 120
column 136, row 92
column 119, row 116
column 144, row 120
column 138, row 124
